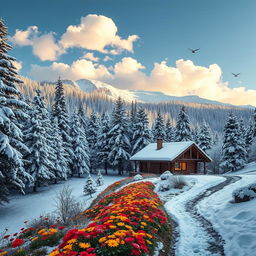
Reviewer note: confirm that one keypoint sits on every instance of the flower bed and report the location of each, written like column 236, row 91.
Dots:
column 128, row 222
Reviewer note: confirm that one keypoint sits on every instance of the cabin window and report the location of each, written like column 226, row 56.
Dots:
column 180, row 166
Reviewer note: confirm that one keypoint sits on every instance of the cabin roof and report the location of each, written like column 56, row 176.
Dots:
column 169, row 152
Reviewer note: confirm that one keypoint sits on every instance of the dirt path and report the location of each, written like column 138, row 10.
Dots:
column 214, row 242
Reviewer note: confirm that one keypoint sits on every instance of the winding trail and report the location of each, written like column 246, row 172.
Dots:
column 193, row 233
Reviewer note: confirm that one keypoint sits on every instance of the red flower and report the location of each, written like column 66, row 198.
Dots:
column 7, row 236
column 136, row 246
column 15, row 234
column 17, row 242
column 61, row 227
column 91, row 249
column 53, row 226
column 129, row 239
column 73, row 253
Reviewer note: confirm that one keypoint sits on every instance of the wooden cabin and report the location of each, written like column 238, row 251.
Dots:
column 178, row 157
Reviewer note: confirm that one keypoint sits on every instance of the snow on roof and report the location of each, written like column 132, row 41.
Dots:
column 168, row 152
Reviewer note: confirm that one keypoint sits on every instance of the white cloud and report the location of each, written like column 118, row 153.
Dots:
column 17, row 65
column 77, row 70
column 90, row 56
column 44, row 46
column 96, row 32
column 24, row 37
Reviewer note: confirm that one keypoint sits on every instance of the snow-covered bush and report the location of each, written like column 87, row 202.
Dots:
column 89, row 187
column 177, row 181
column 66, row 205
column 99, row 180
column 164, row 186
column 137, row 177
column 244, row 194
column 165, row 175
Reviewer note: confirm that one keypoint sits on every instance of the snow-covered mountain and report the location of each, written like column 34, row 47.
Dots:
column 90, row 86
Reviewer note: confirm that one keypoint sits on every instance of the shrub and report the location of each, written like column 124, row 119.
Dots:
column 177, row 181
column 244, row 194
column 137, row 177
column 165, row 175
column 66, row 205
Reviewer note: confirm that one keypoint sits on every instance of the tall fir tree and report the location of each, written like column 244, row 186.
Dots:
column 242, row 128
column 254, row 122
column 183, row 129
column 132, row 122
column 249, row 138
column 142, row 135
column 60, row 162
column 103, row 147
column 39, row 163
column 92, row 133
column 169, row 131
column 59, row 111
column 12, row 107
column 81, row 160
column 205, row 137
column 233, row 149
column 119, row 138
column 158, row 128
column 82, row 117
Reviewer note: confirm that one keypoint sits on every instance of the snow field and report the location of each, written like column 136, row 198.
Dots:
column 236, row 222
column 30, row 206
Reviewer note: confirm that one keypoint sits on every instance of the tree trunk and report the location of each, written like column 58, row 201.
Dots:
column 35, row 187
column 55, row 181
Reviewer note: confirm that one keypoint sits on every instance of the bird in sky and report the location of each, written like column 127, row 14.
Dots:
column 236, row 75
column 194, row 50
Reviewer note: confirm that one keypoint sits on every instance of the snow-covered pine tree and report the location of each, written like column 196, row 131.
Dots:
column 82, row 117
column 119, row 137
column 249, row 138
column 233, row 149
column 12, row 173
column 204, row 137
column 241, row 127
column 89, row 187
column 158, row 128
column 60, row 162
column 132, row 122
column 183, row 130
column 103, row 147
column 142, row 135
column 38, row 161
column 92, row 133
column 99, row 180
column 59, row 111
column 169, row 131
column 254, row 119
column 195, row 133
column 81, row 160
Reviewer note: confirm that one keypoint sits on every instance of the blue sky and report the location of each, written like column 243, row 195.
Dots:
column 223, row 30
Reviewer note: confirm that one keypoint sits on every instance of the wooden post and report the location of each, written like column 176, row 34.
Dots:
column 190, row 153
column 204, row 168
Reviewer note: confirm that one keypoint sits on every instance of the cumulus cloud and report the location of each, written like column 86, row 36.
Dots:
column 90, row 56
column 79, row 69
column 44, row 46
column 96, row 32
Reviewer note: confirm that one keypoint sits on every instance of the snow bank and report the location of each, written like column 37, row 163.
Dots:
column 235, row 222
column 30, row 206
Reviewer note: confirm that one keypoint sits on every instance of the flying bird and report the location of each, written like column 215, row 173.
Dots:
column 236, row 75
column 194, row 50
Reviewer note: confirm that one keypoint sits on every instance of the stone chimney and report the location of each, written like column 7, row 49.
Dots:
column 159, row 143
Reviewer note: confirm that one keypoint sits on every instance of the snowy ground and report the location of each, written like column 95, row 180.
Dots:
column 190, row 231
column 236, row 223
column 22, row 208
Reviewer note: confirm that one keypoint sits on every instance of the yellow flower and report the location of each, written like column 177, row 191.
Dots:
column 120, row 224
column 84, row 245
column 71, row 241
column 41, row 231
column 35, row 238
column 143, row 223
column 55, row 252
column 149, row 242
column 3, row 253
column 102, row 240
column 111, row 236
column 148, row 235
column 112, row 226
column 112, row 243
column 68, row 247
